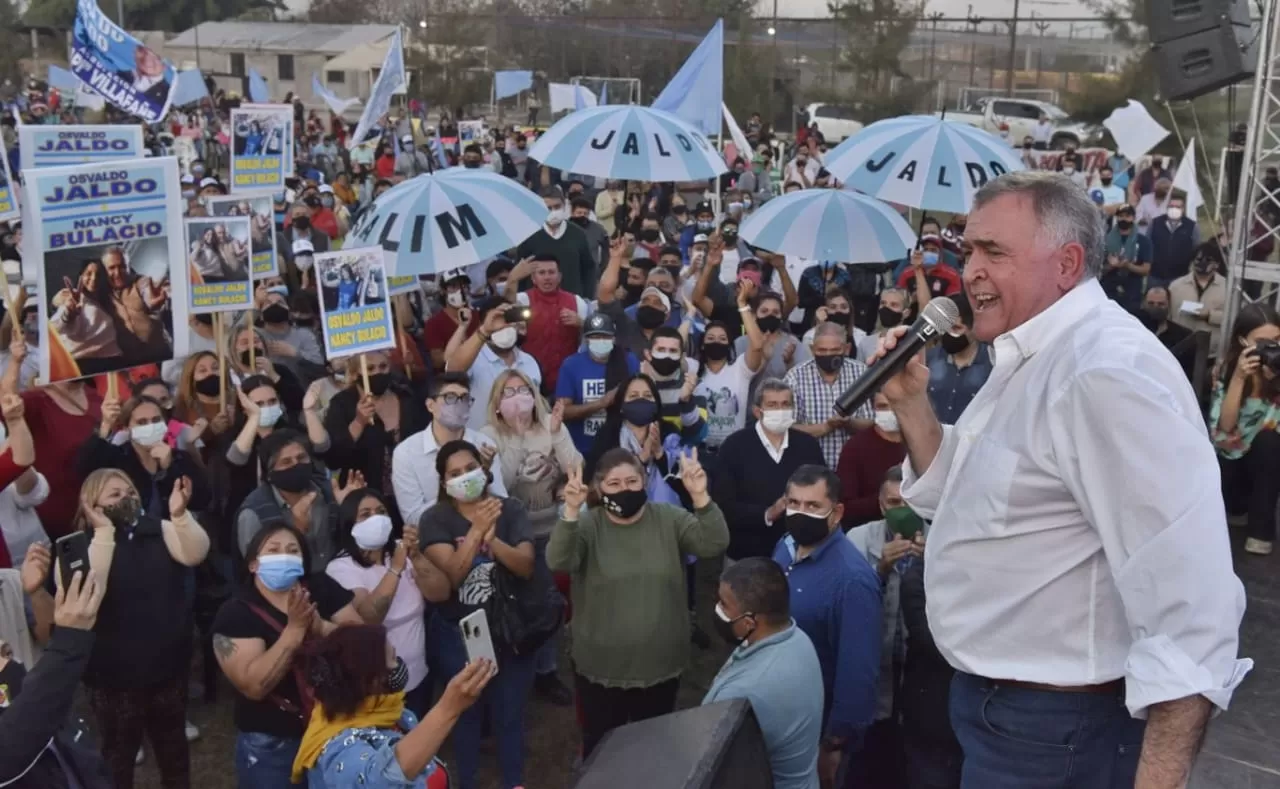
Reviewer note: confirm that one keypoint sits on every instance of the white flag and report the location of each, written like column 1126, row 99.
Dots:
column 1185, row 179
column 735, row 131
column 1134, row 130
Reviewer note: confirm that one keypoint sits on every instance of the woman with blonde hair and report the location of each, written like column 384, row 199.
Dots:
column 199, row 400
column 137, row 672
column 536, row 452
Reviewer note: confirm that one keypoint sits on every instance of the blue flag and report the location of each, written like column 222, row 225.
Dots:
column 696, row 92
column 258, row 92
column 189, row 88
column 337, row 105
column 389, row 81
column 511, row 83
column 118, row 66
column 604, row 94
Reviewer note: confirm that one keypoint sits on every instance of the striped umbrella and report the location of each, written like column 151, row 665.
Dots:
column 829, row 224
column 448, row 219
column 922, row 161
column 628, row 142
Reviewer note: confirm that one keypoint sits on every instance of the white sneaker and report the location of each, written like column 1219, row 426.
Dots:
column 193, row 733
column 1259, row 547
column 141, row 757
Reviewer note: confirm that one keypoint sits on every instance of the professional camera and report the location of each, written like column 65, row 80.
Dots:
column 1269, row 353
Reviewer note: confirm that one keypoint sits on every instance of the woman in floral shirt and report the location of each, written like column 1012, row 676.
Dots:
column 1244, row 418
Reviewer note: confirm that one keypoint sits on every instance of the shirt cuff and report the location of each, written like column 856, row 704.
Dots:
column 924, row 491
column 1158, row 671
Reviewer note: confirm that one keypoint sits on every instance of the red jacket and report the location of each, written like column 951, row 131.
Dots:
column 550, row 341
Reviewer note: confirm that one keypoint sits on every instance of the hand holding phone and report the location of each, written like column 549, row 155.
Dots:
column 73, row 556
column 476, row 638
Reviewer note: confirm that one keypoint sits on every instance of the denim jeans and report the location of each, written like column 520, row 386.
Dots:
column 1018, row 738
column 505, row 697
column 264, row 761
column 545, row 659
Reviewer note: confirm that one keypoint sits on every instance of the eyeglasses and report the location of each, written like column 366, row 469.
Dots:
column 512, row 391
column 454, row 399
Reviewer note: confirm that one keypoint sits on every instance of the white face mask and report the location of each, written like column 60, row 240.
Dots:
column 269, row 415
column 304, row 262
column 1174, row 213
column 454, row 298
column 779, row 421
column 600, row 348
column 372, row 532
column 149, row 434
column 468, row 487
column 505, row 338
column 887, row 421
column 555, row 216
column 1068, row 171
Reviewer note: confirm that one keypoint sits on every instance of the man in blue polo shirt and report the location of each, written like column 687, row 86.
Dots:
column 835, row 600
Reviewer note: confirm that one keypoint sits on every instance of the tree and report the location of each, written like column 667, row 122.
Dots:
column 17, row 48
column 878, row 32
column 171, row 15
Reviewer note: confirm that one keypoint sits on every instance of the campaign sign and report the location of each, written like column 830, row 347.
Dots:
column 8, row 191
column 261, row 146
column 62, row 146
column 218, row 264
column 354, row 306
column 399, row 285
column 118, row 67
column 262, row 232
column 107, row 235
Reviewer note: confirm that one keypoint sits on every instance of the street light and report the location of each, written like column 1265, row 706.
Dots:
column 422, row 24
column 773, row 31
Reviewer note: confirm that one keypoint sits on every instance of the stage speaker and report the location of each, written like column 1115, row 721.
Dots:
column 1170, row 19
column 1203, row 62
column 718, row 746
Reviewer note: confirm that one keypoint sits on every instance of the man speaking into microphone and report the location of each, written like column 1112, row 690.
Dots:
column 1077, row 571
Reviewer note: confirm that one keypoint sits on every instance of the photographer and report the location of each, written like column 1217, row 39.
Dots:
column 1246, row 408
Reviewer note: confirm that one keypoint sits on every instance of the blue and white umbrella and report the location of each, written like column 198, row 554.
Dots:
column 829, row 224
column 628, row 142
column 922, row 161
column 448, row 219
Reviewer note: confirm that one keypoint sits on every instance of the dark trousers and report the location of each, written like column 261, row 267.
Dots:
column 1017, row 738
column 605, row 709
column 932, row 764
column 1251, row 483
column 123, row 717
column 878, row 763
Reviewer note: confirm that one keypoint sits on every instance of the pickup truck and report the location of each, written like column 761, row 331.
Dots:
column 1021, row 115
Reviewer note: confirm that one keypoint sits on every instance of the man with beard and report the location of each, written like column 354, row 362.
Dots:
column 260, row 230
column 235, row 256
column 136, row 304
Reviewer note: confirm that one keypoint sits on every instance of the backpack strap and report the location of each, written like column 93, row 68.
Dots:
column 305, row 691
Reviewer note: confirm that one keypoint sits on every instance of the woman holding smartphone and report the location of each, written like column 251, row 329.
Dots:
column 1243, row 419
column 466, row 534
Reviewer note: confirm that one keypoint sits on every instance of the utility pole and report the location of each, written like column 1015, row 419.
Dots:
column 1041, row 26
column 933, row 41
column 1013, row 48
column 973, row 22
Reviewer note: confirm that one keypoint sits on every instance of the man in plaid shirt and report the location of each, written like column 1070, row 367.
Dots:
column 819, row 382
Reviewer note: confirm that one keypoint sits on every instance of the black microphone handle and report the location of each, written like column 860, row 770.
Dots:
column 908, row 346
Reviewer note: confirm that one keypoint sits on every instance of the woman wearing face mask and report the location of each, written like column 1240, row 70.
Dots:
column 632, row 422
column 390, row 579
column 863, row 462
column 199, row 404
column 624, row 555
column 292, row 347
column 366, row 425
column 239, row 367
column 137, row 672
column 362, row 733
column 724, row 382
column 465, row 534
column 263, row 414
column 1243, row 418
column 151, row 462
column 893, row 311
column 258, row 637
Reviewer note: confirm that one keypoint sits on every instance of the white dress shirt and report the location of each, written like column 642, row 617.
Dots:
column 414, row 477
column 1079, row 534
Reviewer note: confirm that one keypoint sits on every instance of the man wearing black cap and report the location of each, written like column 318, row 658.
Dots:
column 564, row 242
column 589, row 380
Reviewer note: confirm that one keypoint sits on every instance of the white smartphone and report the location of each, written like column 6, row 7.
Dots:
column 475, row 635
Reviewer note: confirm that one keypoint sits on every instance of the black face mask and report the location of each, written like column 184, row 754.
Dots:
column 209, row 386
column 841, row 318
column 650, row 317
column 715, row 351
column 769, row 323
column 205, row 319
column 124, row 512
column 245, row 360
column 1105, row 181
column 665, row 367
column 1156, row 315
column 633, row 294
column 626, row 503
column 398, row 677
column 379, row 383
column 1124, row 224
column 302, row 222
column 1203, row 266
column 725, row 629
column 306, row 323
column 828, row 364
column 889, row 318
column 640, row 413
column 649, row 236
column 470, row 165
column 580, row 221
column 276, row 313
column 730, row 236
column 292, row 480
column 954, row 344
column 807, row 529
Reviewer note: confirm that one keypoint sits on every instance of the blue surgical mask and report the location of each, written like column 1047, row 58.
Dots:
column 279, row 571
column 930, row 258
column 600, row 348
column 327, row 201
column 279, row 217
column 269, row 415
column 188, row 194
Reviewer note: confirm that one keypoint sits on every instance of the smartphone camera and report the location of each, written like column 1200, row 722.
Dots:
column 517, row 314
column 1269, row 353
column 467, row 630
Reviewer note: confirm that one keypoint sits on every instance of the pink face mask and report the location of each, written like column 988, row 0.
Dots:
column 517, row 409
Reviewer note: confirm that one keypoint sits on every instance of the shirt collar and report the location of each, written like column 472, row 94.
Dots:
column 790, row 544
column 1029, row 338
column 745, row 651
column 768, row 445
column 557, row 234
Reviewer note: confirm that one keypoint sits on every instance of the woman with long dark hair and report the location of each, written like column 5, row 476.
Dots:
column 390, row 579
column 362, row 733
column 1244, row 417
column 468, row 534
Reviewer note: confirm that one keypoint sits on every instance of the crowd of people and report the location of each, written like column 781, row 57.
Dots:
column 631, row 392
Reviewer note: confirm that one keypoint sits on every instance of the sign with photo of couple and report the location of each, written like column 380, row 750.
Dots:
column 107, row 236
column 8, row 189
column 355, row 308
column 262, row 233
column 218, row 264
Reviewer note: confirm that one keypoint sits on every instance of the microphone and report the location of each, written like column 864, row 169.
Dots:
column 937, row 318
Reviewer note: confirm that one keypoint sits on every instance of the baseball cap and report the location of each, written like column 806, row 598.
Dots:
column 188, row 180
column 209, row 181
column 406, row 138
column 703, row 208
column 600, row 324
column 666, row 300
column 326, row 189
column 701, row 238
column 303, row 247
